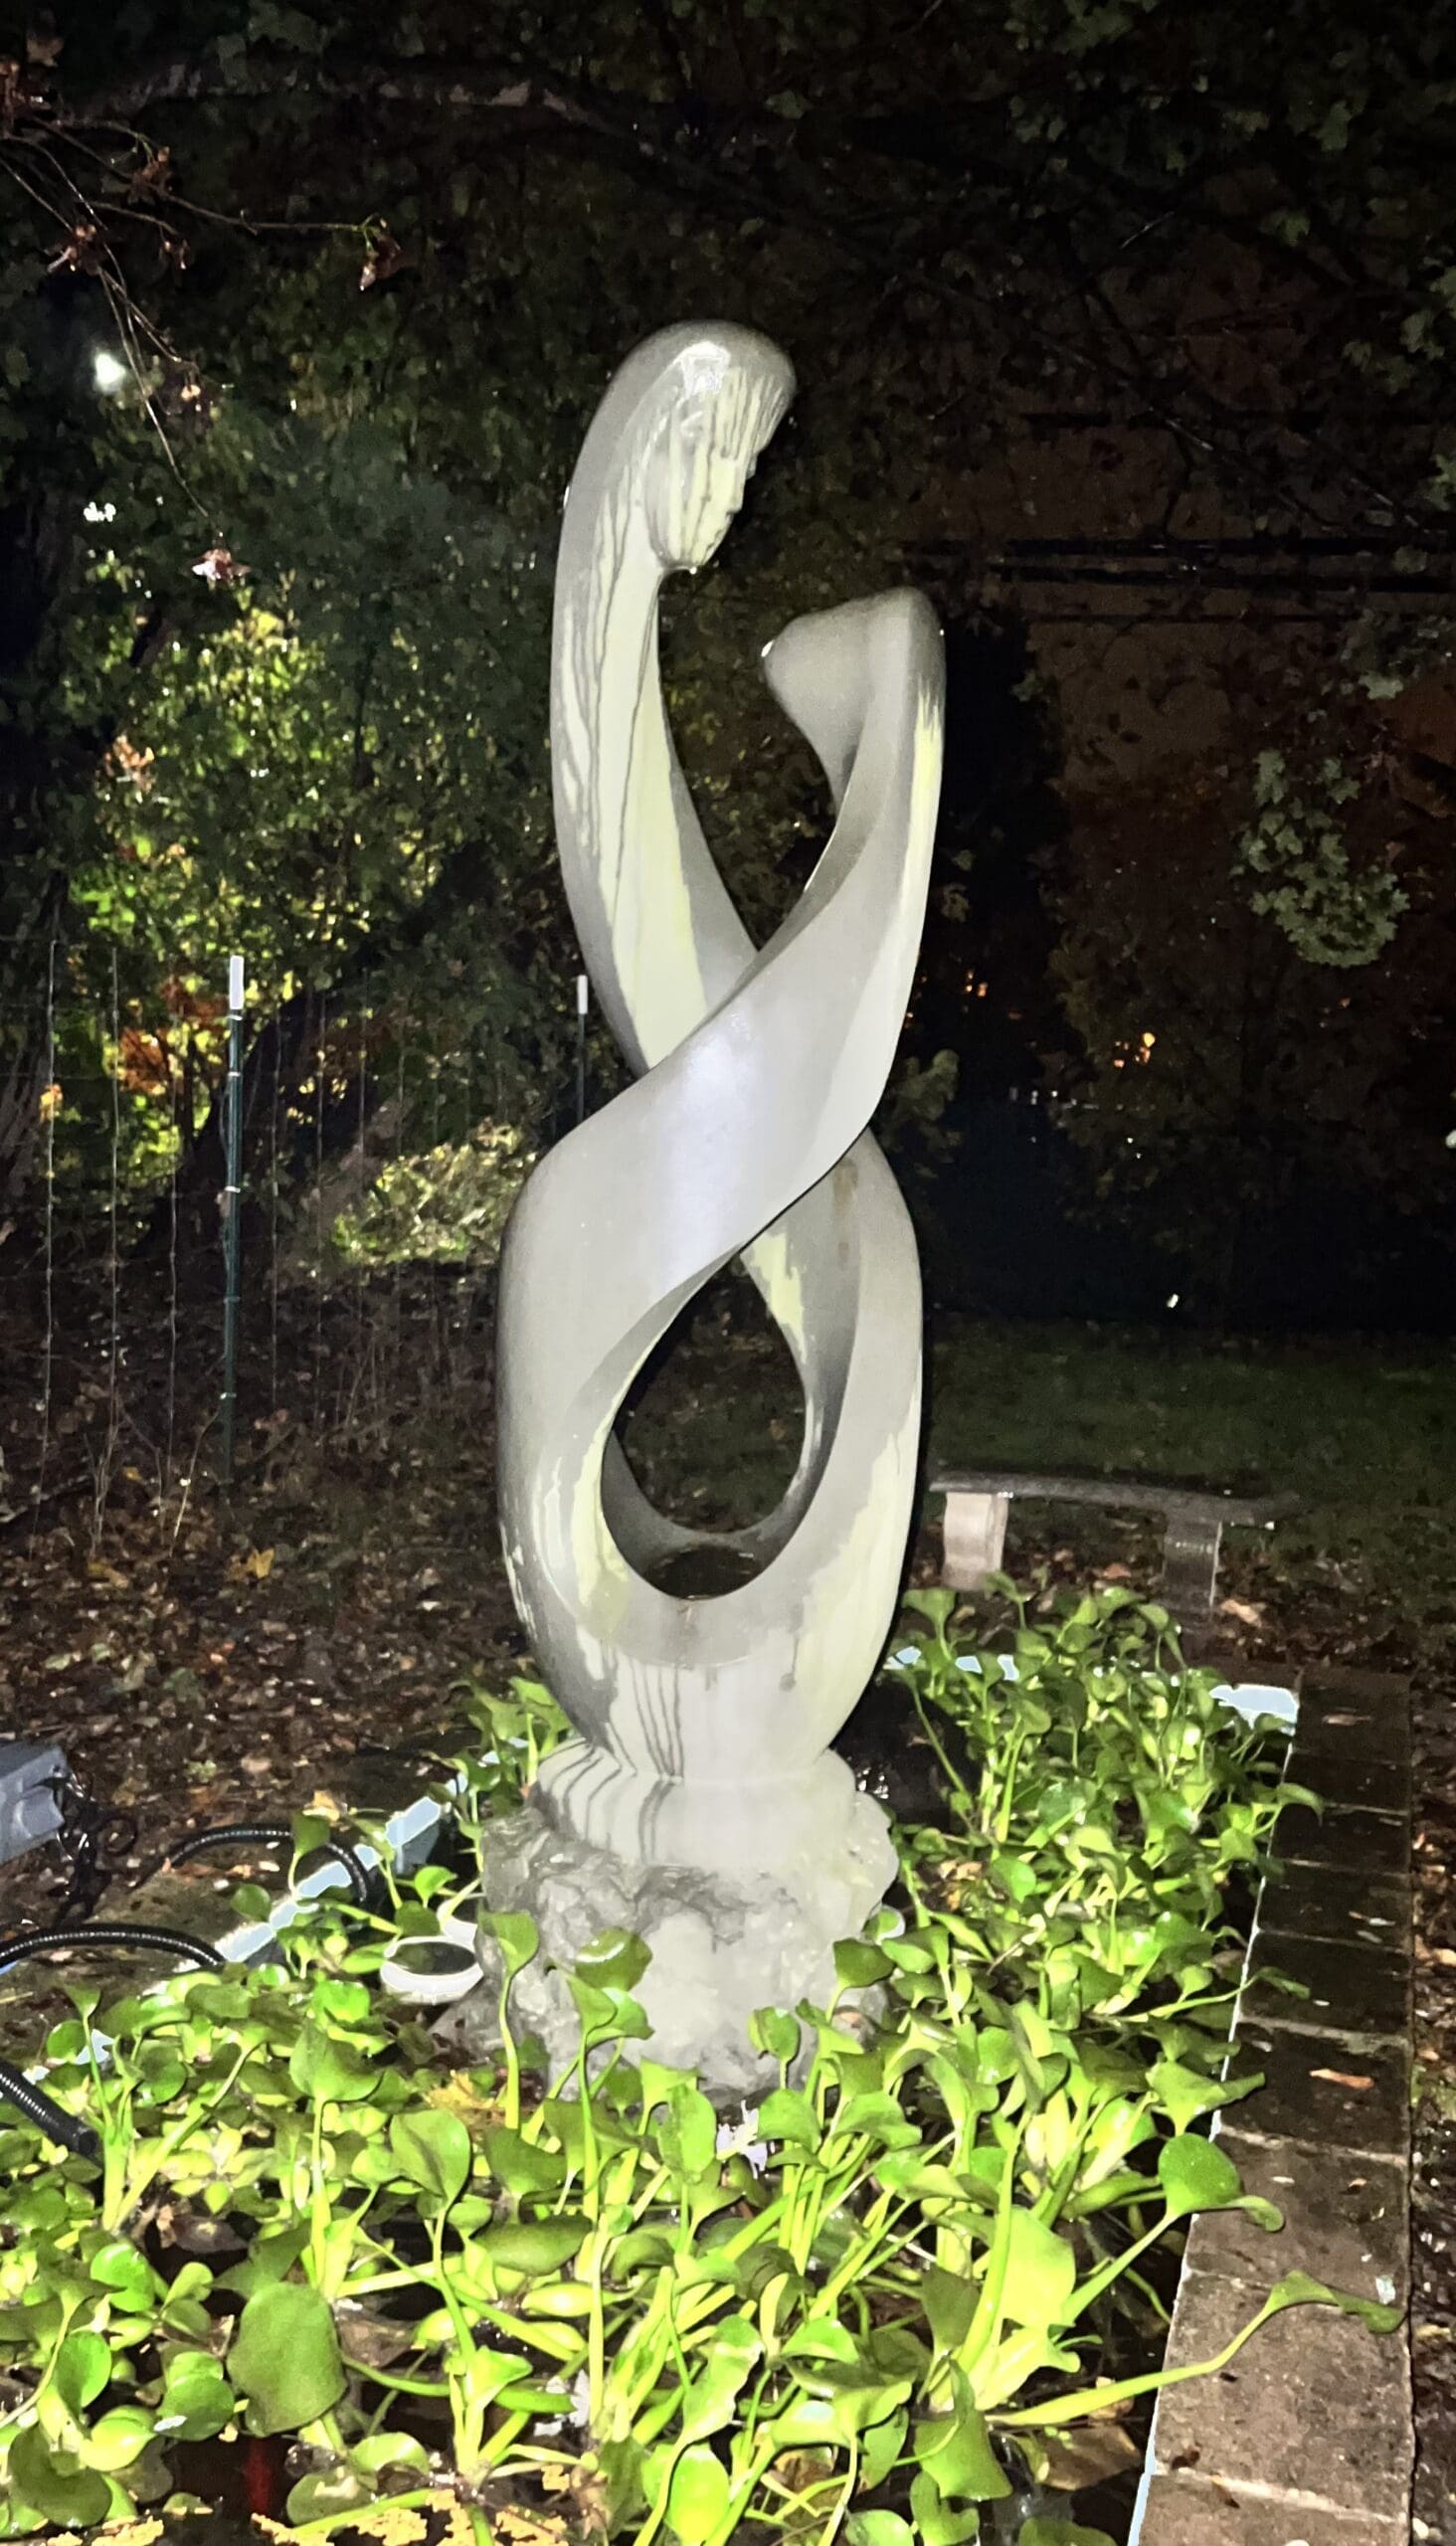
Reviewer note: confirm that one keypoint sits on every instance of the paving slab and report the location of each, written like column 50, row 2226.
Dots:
column 1315, row 2406
column 1374, row 1843
column 1338, row 2090
column 1376, row 1784
column 1336, row 1901
column 1186, row 2510
column 1350, row 1986
column 1347, row 2220
column 1306, row 2438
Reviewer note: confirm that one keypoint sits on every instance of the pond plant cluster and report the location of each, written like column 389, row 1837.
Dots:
column 890, row 2303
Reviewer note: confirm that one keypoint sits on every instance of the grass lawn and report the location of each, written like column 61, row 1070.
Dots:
column 1365, row 1433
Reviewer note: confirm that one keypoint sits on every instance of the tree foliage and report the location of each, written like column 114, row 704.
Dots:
column 306, row 309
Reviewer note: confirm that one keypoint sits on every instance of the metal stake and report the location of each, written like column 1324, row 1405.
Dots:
column 581, row 1047
column 232, row 1211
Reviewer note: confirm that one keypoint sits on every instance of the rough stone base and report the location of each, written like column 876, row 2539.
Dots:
column 721, row 1946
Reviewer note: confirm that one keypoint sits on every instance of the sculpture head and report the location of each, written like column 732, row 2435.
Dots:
column 680, row 432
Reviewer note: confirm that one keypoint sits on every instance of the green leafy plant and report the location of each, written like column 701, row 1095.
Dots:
column 878, row 2303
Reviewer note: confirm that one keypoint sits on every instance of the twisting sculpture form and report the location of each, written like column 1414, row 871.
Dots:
column 702, row 1786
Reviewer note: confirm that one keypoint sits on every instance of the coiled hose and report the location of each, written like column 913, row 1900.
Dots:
column 15, row 1949
column 66, row 2129
column 274, row 1834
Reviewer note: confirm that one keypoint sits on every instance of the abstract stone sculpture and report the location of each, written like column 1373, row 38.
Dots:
column 701, row 1805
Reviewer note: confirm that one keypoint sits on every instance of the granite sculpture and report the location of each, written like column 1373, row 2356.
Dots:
column 700, row 1804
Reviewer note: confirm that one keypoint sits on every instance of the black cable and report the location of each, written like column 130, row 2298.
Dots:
column 255, row 1834
column 15, row 1949
column 89, row 1838
column 66, row 2129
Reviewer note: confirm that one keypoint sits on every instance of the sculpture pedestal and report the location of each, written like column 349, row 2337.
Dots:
column 725, row 1937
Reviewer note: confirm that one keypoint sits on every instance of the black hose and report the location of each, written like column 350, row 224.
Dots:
column 15, row 1949
column 272, row 1834
column 66, row 2129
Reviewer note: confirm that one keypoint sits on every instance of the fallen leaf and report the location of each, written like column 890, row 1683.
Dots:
column 1247, row 1612
column 1342, row 2077
column 1089, row 2456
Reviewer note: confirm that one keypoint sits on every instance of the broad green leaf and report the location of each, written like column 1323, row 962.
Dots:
column 83, row 2369
column 522, row 2165
column 859, row 1965
column 347, row 2001
column 936, row 2523
column 775, row 2031
column 1042, row 2272
column 615, row 1959
column 1195, row 2174
column 328, row 2071
column 787, row 2115
column 384, row 2449
column 879, row 2450
column 117, row 2438
column 517, row 1936
column 196, row 2398
column 708, row 2404
column 878, row 2528
column 534, row 2245
column 955, row 2447
column 286, row 2358
column 1185, row 2095
column 878, row 2117
column 433, row 2149
column 698, row 2495
column 688, row 2133
column 324, row 2494
column 43, row 2481
column 1297, row 2289
column 829, row 2421
column 120, row 2268
column 949, row 2301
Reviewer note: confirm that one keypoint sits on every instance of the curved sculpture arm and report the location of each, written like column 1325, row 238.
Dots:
column 745, row 1135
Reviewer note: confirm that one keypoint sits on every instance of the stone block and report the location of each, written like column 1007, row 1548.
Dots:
column 1332, row 2091
column 1346, row 2220
column 1183, row 2510
column 1315, row 2404
column 1377, row 1841
column 1337, row 1903
column 1351, row 1777
column 1352, row 1987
